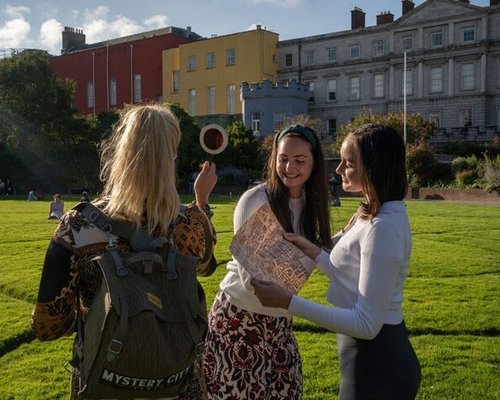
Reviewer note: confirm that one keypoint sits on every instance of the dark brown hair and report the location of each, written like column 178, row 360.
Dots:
column 382, row 165
column 315, row 220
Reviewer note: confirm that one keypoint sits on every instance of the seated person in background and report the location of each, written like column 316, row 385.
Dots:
column 85, row 197
column 32, row 196
column 56, row 207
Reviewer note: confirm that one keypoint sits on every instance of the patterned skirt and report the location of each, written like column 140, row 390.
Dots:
column 249, row 355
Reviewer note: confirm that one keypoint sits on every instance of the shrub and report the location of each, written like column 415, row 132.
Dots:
column 460, row 164
column 420, row 164
column 491, row 172
column 466, row 178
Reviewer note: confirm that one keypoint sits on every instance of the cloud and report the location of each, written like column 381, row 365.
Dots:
column 282, row 3
column 14, row 32
column 16, row 12
column 50, row 35
column 156, row 22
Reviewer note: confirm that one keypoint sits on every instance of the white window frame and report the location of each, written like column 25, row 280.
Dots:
column 137, row 88
column 331, row 122
column 409, row 83
column 355, row 51
column 211, row 59
column 354, row 88
column 176, row 81
column 465, row 117
column 467, row 32
column 435, row 116
column 230, row 56
column 434, row 36
column 211, row 100
column 288, row 60
column 256, row 123
column 231, row 99
column 311, row 91
column 90, row 95
column 378, row 85
column 192, row 102
column 332, row 54
column 468, row 72
column 378, row 47
column 407, row 43
column 278, row 118
column 309, row 57
column 436, row 79
column 191, row 63
column 331, row 94
column 112, row 92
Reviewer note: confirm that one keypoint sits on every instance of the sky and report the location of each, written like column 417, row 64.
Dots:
column 38, row 23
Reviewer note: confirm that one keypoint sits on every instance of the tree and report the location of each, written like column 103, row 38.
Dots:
column 417, row 128
column 39, row 103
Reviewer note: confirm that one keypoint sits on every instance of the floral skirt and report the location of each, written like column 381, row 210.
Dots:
column 249, row 355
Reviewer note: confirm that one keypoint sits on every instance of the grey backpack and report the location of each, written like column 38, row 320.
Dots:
column 144, row 332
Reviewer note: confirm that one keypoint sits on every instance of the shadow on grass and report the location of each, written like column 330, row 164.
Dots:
column 14, row 342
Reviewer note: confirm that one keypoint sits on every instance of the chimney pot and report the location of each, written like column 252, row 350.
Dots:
column 357, row 18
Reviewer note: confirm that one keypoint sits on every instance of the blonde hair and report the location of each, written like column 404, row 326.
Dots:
column 138, row 166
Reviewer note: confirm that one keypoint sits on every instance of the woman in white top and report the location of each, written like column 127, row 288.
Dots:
column 367, row 270
column 251, row 351
column 56, row 207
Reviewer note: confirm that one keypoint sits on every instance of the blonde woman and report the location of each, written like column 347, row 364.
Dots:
column 138, row 170
column 56, row 207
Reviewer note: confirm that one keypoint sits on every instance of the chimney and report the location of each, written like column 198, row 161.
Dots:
column 494, row 2
column 357, row 18
column 408, row 5
column 71, row 38
column 385, row 17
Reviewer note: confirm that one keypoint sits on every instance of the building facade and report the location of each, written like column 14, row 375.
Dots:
column 116, row 72
column 266, row 105
column 204, row 76
column 441, row 58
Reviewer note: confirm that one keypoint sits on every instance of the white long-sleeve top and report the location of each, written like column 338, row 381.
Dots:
column 367, row 269
column 236, row 284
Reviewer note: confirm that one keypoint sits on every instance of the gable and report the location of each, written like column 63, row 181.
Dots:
column 436, row 10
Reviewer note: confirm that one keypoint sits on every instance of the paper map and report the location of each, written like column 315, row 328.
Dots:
column 261, row 249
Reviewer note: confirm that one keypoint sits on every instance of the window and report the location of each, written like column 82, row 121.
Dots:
column 230, row 57
column 436, row 79
column 192, row 101
column 176, row 81
column 332, row 90
column 278, row 119
column 211, row 60
column 354, row 90
column 407, row 43
column 332, row 54
column 378, row 47
column 211, row 100
column 191, row 63
column 469, row 34
column 409, row 82
column 435, row 118
column 256, row 123
column 309, row 57
column 137, row 88
column 331, row 126
column 355, row 51
column 465, row 116
column 231, row 99
column 378, row 85
column 90, row 95
column 437, row 39
column 311, row 92
column 288, row 60
column 468, row 81
column 112, row 92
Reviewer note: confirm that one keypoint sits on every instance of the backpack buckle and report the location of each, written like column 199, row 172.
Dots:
column 114, row 348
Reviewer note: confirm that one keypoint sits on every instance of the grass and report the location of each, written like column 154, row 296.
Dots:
column 452, row 299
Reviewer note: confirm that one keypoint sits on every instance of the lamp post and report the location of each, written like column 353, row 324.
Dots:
column 404, row 97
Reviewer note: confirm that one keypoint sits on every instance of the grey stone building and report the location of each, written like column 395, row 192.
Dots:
column 448, row 50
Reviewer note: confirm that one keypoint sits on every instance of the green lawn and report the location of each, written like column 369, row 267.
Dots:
column 452, row 302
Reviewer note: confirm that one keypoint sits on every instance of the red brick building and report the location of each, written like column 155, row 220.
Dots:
column 118, row 71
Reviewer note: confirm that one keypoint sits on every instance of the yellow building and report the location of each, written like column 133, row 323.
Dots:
column 204, row 76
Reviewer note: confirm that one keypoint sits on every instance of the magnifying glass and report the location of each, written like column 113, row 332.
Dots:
column 213, row 139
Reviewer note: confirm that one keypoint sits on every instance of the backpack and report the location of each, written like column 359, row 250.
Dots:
column 143, row 336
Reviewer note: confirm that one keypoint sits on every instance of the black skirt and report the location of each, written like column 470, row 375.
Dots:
column 384, row 368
